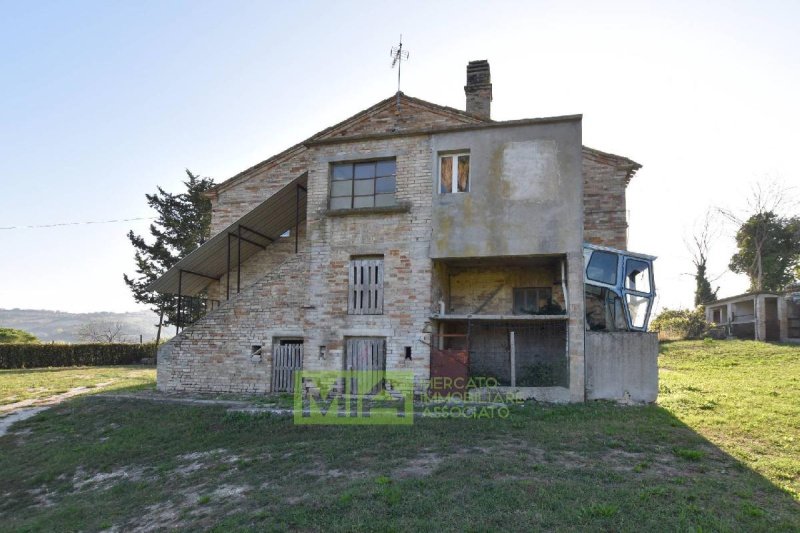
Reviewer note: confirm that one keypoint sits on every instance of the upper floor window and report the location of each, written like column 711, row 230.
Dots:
column 365, row 184
column 453, row 173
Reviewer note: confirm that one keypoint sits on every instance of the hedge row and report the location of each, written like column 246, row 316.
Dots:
column 42, row 355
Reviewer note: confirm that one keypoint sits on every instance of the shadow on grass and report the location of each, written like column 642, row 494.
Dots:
column 593, row 466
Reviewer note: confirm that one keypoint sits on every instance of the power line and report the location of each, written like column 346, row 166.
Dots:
column 59, row 224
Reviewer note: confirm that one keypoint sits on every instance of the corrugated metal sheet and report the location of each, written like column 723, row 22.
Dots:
column 271, row 218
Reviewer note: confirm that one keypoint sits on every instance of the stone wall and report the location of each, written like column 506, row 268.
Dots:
column 491, row 289
column 256, row 266
column 214, row 354
column 400, row 237
column 247, row 190
column 232, row 202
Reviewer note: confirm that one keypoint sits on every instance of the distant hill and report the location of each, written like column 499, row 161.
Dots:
column 63, row 327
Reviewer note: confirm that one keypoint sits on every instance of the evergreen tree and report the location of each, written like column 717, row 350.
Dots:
column 183, row 223
column 769, row 249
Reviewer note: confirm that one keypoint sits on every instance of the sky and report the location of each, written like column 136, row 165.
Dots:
column 101, row 102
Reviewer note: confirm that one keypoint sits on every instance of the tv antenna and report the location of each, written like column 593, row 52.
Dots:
column 398, row 55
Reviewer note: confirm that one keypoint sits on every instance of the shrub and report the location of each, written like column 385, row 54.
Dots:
column 42, row 355
column 680, row 324
column 16, row 336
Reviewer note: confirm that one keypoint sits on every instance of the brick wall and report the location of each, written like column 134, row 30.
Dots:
column 492, row 288
column 257, row 185
column 605, row 213
column 213, row 355
column 256, row 266
column 305, row 295
column 402, row 238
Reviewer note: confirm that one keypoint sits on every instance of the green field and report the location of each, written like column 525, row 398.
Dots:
column 43, row 383
column 719, row 452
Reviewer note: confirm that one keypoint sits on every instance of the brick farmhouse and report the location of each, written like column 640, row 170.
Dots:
column 413, row 236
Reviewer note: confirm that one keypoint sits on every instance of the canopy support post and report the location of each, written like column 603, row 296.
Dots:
column 238, row 259
column 297, row 216
column 180, row 283
column 228, row 271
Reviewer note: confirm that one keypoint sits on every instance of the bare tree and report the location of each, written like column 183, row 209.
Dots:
column 699, row 246
column 763, row 204
column 103, row 332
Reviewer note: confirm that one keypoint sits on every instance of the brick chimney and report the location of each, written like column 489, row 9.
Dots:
column 479, row 89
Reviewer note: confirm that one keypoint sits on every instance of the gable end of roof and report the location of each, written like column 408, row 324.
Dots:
column 410, row 101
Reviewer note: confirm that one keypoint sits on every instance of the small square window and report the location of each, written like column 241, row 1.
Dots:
column 453, row 173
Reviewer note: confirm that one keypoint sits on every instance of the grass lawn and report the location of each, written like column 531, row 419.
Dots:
column 41, row 383
column 719, row 452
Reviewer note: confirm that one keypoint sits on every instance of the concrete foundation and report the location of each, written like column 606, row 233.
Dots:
column 622, row 366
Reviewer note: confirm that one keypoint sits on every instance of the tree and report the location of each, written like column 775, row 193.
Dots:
column 699, row 247
column 769, row 249
column 104, row 332
column 16, row 336
column 768, row 243
column 183, row 223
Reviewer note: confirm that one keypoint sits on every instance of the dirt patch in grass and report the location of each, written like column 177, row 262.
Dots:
column 421, row 466
column 231, row 491
column 83, row 480
column 156, row 517
column 195, row 461
column 9, row 420
column 42, row 497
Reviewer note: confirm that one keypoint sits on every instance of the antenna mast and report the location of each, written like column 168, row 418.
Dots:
column 398, row 55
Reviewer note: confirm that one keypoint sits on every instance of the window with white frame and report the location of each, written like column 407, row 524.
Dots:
column 365, row 295
column 454, row 173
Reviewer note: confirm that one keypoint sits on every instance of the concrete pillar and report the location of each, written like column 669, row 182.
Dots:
column 760, row 318
column 576, row 330
column 729, row 317
column 782, row 319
